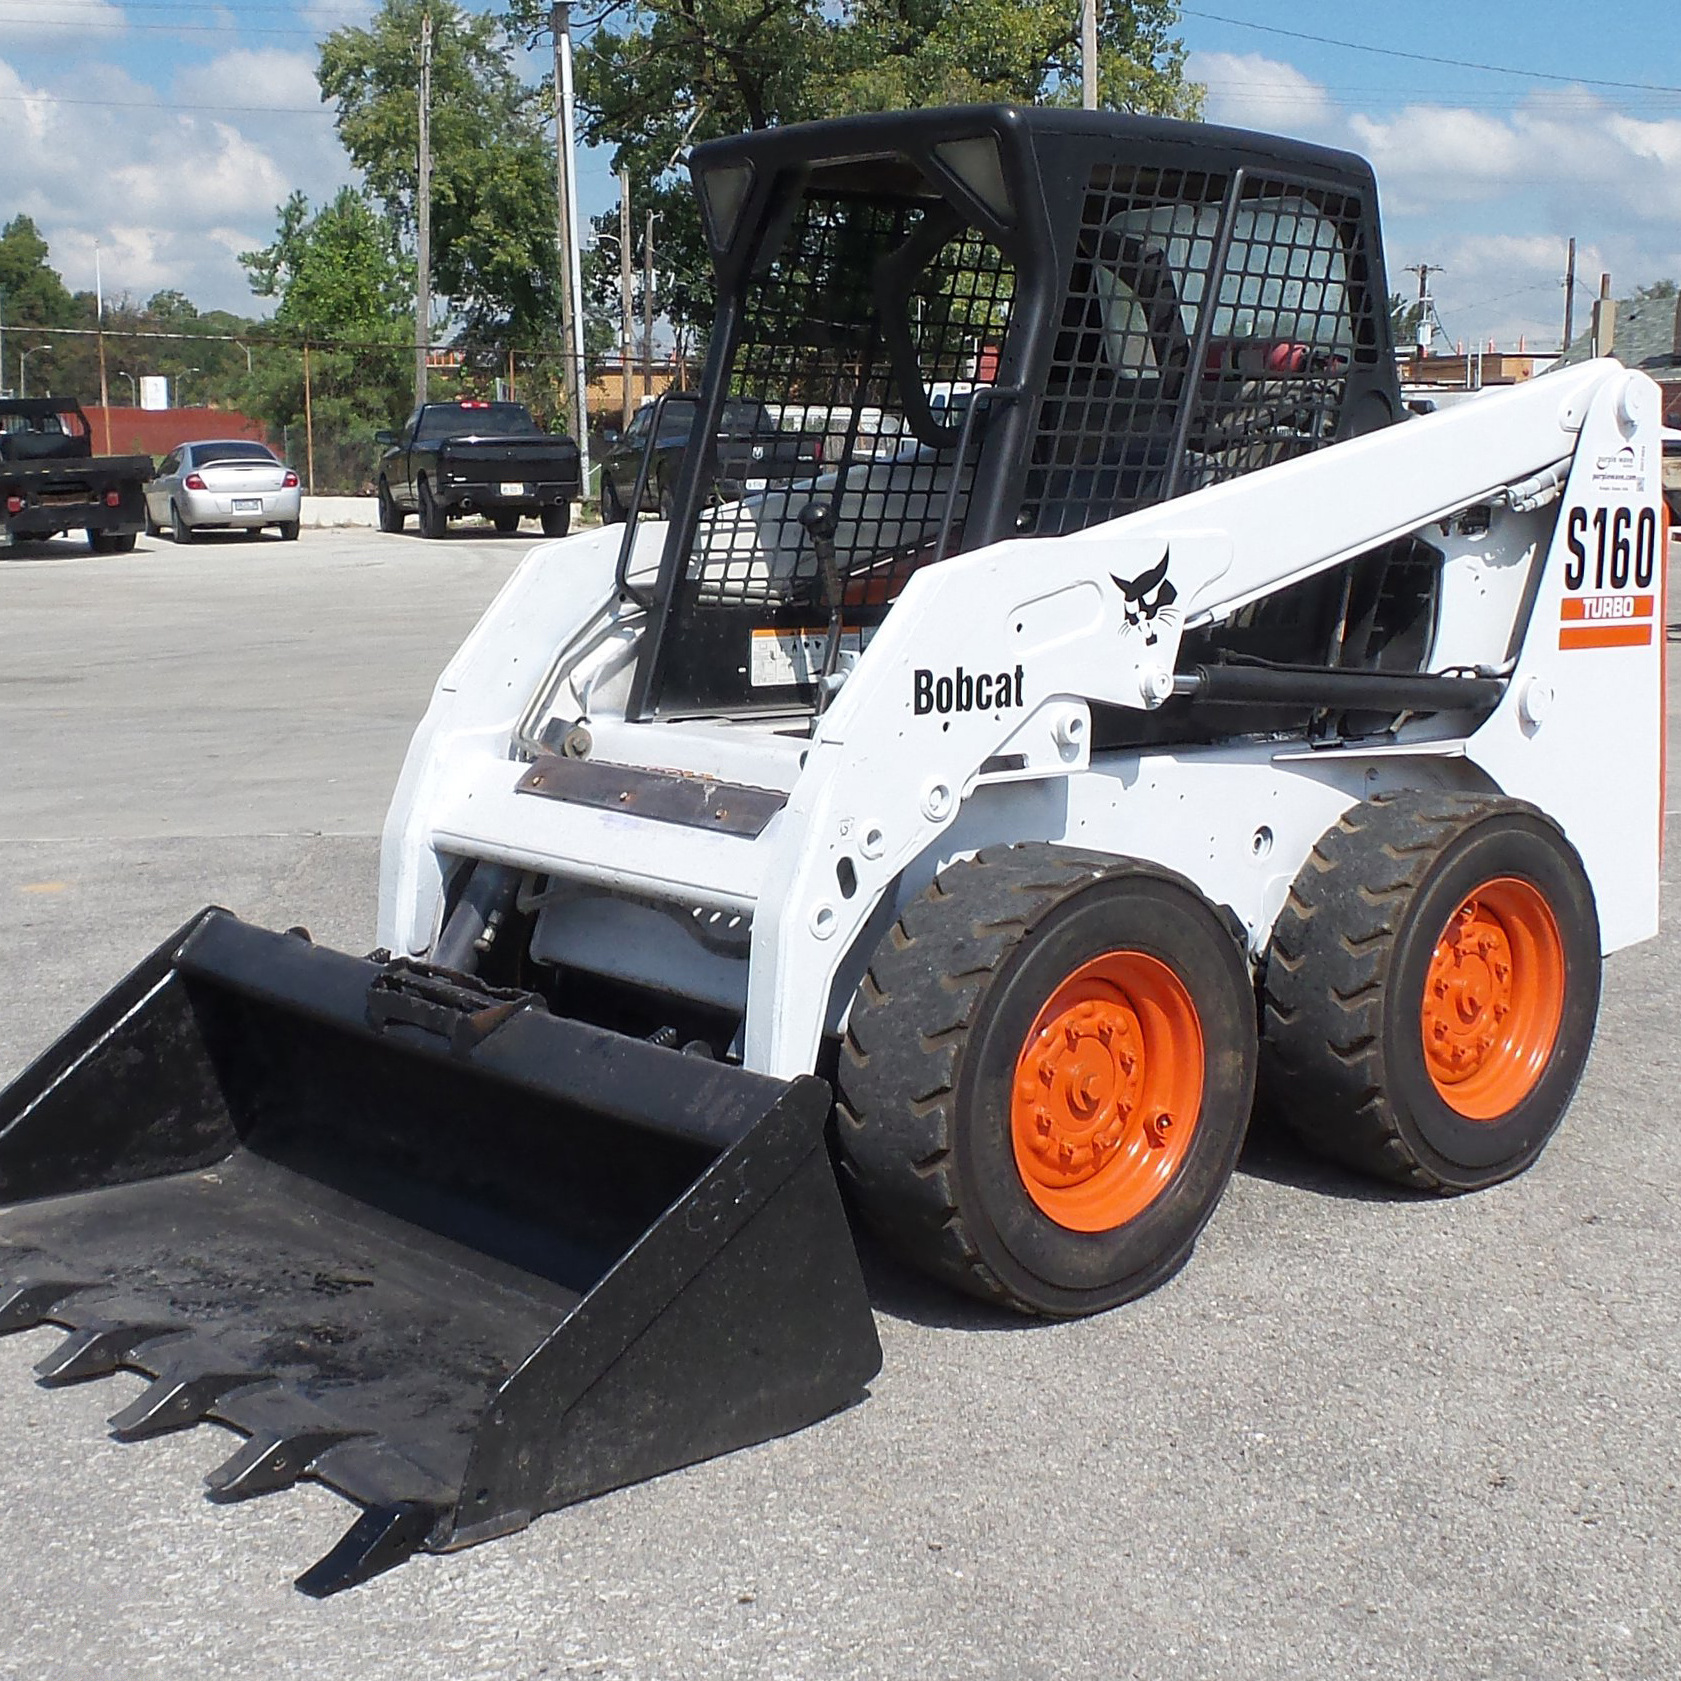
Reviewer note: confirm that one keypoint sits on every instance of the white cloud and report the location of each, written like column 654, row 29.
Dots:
column 1576, row 149
column 180, row 191
column 1246, row 90
column 55, row 23
column 1490, row 195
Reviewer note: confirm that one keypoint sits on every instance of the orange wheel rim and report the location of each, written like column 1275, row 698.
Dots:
column 1107, row 1091
column 1493, row 999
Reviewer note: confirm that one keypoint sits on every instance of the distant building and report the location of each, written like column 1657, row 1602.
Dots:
column 1642, row 333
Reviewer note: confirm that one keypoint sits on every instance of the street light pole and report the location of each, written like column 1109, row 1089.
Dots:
column 23, row 366
column 625, row 316
column 423, row 217
column 648, row 309
column 133, row 389
column 1088, row 54
column 571, row 270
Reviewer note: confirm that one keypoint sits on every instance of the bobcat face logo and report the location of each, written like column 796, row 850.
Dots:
column 1147, row 600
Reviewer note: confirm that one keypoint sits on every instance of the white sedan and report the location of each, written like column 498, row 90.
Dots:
column 223, row 484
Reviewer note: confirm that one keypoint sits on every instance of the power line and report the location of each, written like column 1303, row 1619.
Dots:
column 168, row 108
column 1427, row 58
column 121, row 26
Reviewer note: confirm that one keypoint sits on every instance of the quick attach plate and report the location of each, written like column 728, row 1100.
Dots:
column 695, row 802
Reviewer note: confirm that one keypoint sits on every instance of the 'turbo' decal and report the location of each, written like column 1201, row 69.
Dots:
column 966, row 691
column 1146, row 598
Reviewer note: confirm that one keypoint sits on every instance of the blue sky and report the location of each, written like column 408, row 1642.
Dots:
column 170, row 129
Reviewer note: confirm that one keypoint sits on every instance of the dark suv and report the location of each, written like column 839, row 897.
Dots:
column 753, row 452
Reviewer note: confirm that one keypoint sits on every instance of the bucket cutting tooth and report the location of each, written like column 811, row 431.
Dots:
column 180, row 1397
column 30, row 1302
column 379, row 1540
column 98, row 1350
column 270, row 1462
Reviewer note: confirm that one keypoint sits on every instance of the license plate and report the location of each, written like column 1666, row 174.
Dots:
column 513, row 489
column 757, row 484
column 248, row 504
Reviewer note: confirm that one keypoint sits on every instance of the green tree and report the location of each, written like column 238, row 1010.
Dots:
column 344, row 291
column 32, row 294
column 31, row 289
column 1657, row 291
column 493, row 231
column 659, row 74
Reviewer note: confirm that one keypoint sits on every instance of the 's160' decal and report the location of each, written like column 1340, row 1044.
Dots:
column 1624, row 542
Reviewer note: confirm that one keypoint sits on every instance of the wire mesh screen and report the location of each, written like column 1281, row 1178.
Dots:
column 1284, row 329
column 866, row 333
column 1140, row 276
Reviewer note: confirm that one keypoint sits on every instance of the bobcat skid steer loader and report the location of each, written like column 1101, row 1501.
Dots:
column 1123, row 713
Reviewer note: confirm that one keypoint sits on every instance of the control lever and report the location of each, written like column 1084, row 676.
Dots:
column 820, row 523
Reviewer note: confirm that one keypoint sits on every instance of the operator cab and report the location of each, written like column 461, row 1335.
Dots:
column 988, row 322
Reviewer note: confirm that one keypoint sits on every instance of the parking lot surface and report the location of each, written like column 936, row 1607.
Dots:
column 1362, row 1434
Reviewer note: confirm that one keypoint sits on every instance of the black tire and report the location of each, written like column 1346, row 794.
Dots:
column 392, row 519
column 179, row 530
column 432, row 520
column 153, row 529
column 929, row 1061
column 506, row 524
column 289, row 530
column 668, row 503
column 557, row 519
column 612, row 509
column 1343, row 1056
column 111, row 542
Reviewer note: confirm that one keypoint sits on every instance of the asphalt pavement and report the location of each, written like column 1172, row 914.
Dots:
column 1362, row 1434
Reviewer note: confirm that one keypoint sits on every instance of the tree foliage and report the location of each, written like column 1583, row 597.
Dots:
column 31, row 292
column 338, row 276
column 660, row 74
column 493, row 194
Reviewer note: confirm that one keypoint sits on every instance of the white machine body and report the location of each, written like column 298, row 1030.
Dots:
column 967, row 719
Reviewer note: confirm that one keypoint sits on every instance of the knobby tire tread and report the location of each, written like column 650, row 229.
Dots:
column 1327, row 973
column 908, row 1030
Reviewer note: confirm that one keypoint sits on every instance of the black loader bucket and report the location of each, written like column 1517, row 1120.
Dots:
column 453, row 1256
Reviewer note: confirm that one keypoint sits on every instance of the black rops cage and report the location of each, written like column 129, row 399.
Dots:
column 981, row 322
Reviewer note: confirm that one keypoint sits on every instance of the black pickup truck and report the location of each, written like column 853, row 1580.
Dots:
column 474, row 457
column 51, row 481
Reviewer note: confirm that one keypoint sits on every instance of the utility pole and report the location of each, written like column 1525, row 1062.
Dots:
column 309, row 427
column 1569, row 298
column 566, row 234
column 1088, row 54
column 648, row 308
column 1424, row 332
column 1604, row 318
column 99, row 322
column 625, row 357
column 423, row 216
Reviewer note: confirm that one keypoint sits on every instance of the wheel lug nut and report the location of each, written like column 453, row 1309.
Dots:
column 1439, row 1031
